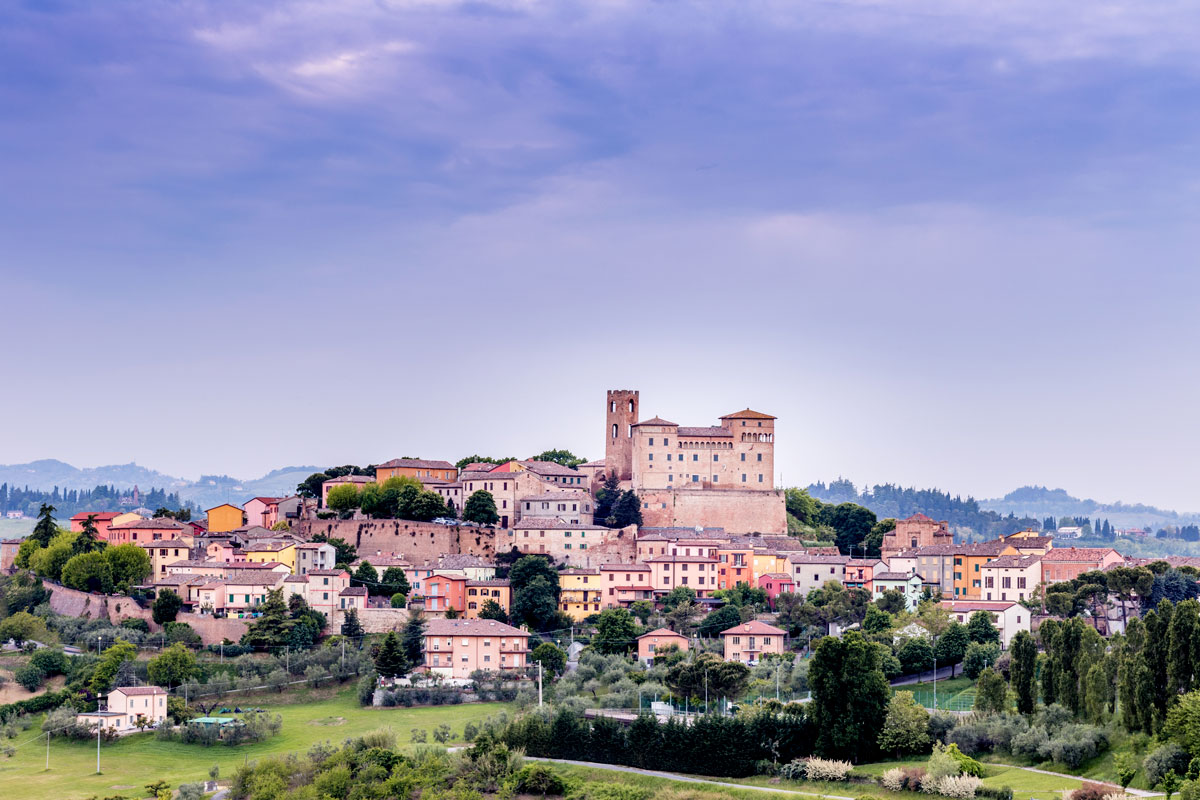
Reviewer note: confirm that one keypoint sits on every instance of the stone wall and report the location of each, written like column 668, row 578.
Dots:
column 417, row 542
column 380, row 620
column 738, row 511
column 74, row 603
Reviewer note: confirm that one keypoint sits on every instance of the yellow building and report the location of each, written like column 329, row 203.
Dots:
column 263, row 552
column 128, row 516
column 165, row 552
column 479, row 592
column 580, row 595
column 224, row 518
column 764, row 563
column 968, row 561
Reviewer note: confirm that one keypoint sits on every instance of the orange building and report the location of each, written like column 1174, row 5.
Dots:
column 444, row 591
column 968, row 563
column 479, row 592
column 654, row 642
column 735, row 565
column 225, row 517
column 103, row 520
column 750, row 641
column 417, row 468
column 144, row 531
column 455, row 648
column 1066, row 563
column 860, row 571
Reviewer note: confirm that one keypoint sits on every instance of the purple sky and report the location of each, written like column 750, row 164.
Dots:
column 947, row 244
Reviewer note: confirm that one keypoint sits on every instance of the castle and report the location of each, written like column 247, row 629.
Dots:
column 721, row 476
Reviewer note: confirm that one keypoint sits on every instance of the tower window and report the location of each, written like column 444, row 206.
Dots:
column 614, row 430
column 652, row 441
column 612, row 406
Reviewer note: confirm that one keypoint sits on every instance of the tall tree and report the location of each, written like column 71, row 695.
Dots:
column 166, row 606
column 535, row 591
column 1023, row 671
column 1181, row 635
column 412, row 638
column 481, row 508
column 627, row 511
column 981, row 629
column 88, row 538
column 615, row 631
column 849, row 696
column 46, row 528
column 391, row 660
column 351, row 626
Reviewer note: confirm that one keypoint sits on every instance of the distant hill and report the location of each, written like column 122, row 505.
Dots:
column 208, row 491
column 1041, row 502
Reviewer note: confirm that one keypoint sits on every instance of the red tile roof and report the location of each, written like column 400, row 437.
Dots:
column 99, row 515
column 139, row 690
column 747, row 414
column 470, row 627
column 657, row 421
column 415, row 463
column 756, row 627
column 662, row 632
column 715, row 431
column 1084, row 554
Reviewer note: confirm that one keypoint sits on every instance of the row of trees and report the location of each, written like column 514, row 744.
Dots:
column 74, row 501
column 399, row 497
column 81, row 560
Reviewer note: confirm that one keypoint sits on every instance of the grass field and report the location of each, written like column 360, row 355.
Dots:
column 1025, row 784
column 136, row 760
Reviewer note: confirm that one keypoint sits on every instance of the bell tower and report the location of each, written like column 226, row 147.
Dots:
column 621, row 414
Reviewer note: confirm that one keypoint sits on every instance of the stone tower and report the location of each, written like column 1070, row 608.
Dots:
column 621, row 415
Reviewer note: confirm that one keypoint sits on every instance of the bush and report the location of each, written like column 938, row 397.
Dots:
column 137, row 624
column 538, row 779
column 962, row 787
column 50, row 661
column 995, row 792
column 1163, row 760
column 1090, row 791
column 892, row 780
column 822, row 769
column 30, row 677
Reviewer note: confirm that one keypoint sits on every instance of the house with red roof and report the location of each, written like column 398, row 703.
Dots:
column 655, row 642
column 1067, row 563
column 749, row 641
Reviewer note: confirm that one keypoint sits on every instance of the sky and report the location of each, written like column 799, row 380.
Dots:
column 948, row 244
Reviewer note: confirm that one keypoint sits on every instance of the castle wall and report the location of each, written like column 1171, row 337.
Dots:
column 737, row 511
column 74, row 603
column 416, row 542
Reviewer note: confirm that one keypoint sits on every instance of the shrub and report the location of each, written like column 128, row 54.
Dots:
column 995, row 792
column 942, row 763
column 792, row 771
column 137, row 624
column 959, row 786
column 892, row 780
column 30, row 677
column 1074, row 744
column 914, row 778
column 538, row 779
column 50, row 661
column 1090, row 791
column 822, row 769
column 966, row 764
column 1163, row 760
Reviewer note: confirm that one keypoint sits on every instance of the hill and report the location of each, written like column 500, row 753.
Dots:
column 208, row 491
column 1041, row 502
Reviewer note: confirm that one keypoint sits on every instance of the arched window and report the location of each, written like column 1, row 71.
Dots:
column 612, row 406
column 630, row 406
column 614, row 430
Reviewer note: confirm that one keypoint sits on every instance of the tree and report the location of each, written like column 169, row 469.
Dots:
column 110, row 661
column 852, row 523
column 1023, row 671
column 906, row 726
column 892, row 601
column 390, row 661
column 351, row 627
column 951, row 646
column 552, row 659
column 876, row 620
column 48, row 562
column 606, row 498
column 88, row 538
column 480, row 507
column 627, row 511
column 564, row 457
column 21, row 627
column 412, row 638
column 535, row 591
column 678, row 595
column 916, row 655
column 46, row 528
column 1127, row 767
column 490, row 609
column 642, row 609
column 175, row 665
column 343, row 498
column 708, row 674
column 720, row 620
column 874, row 539
column 1182, row 633
column 978, row 658
column 366, row 576
column 399, row 600
column 980, row 629
column 166, row 606
column 850, row 696
column 88, row 572
column 991, row 693
column 274, row 623
column 129, row 563
column 615, row 631
column 394, row 581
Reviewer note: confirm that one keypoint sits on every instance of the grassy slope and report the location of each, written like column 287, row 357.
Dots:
column 140, row 759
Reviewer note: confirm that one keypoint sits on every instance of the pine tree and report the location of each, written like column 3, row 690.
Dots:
column 390, row 662
column 1181, row 635
column 46, row 528
column 412, row 639
column 351, row 627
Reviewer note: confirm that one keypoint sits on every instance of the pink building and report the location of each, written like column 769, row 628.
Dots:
column 261, row 511
column 859, row 571
column 656, row 641
column 143, row 531
column 695, row 571
column 127, row 705
column 625, row 584
column 8, row 553
column 1067, row 563
column 455, row 648
column 750, row 641
column 775, row 584
column 103, row 520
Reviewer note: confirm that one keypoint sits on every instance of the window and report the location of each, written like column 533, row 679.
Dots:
column 650, row 457
column 614, row 430
column 760, row 477
column 1020, row 583
column 743, row 456
column 743, row 477
column 652, row 441
column 668, row 456
column 1006, row 583
column 695, row 479
column 695, row 456
column 715, row 457
column 666, row 443
column 760, row 456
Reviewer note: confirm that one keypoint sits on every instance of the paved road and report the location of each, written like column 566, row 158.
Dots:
column 686, row 778
column 689, row 779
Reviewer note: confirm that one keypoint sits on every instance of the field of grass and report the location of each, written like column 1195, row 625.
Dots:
column 1025, row 784
column 136, row 760
column 667, row 789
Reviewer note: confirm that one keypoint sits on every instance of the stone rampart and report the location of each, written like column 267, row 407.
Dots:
column 417, row 542
column 114, row 608
column 738, row 511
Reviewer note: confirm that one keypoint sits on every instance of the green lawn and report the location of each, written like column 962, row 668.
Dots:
column 667, row 789
column 1025, row 784
column 139, row 759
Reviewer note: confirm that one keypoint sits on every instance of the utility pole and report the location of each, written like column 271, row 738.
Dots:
column 777, row 666
column 98, row 727
column 222, row 651
column 539, row 684
column 47, row 751
column 343, row 654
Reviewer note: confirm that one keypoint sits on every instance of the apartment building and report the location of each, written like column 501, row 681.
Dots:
column 454, row 648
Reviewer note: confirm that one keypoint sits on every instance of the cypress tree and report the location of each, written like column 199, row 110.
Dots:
column 1180, row 639
column 1023, row 671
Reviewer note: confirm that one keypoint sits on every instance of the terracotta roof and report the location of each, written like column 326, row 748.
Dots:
column 492, row 582
column 478, row 466
column 470, row 627
column 415, row 463
column 552, row 523
column 295, row 579
column 777, row 576
column 802, row 558
column 895, row 576
column 579, row 571
column 918, row 517
column 556, row 495
column 242, row 578
column 624, row 567
column 1077, row 553
column 267, row 500
column 164, row 543
column 756, row 627
column 977, row 605
column 327, row 572
column 99, row 515
column 748, row 414
column 139, row 690
column 662, row 632
column 864, row 562
column 1012, row 561
column 679, row 532
column 707, row 432
column 677, row 558
column 353, row 591
column 268, row 547
column 351, row 479
column 462, row 561
column 656, row 421
column 548, row 468
column 159, row 523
